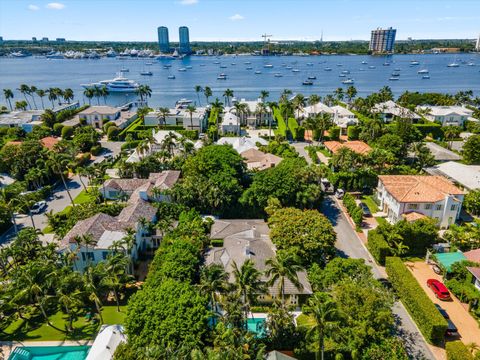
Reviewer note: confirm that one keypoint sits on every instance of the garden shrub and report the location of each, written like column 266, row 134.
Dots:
column 432, row 129
column 57, row 128
column 378, row 247
column 456, row 350
column 189, row 134
column 353, row 132
column 216, row 242
column 95, row 150
column 130, row 144
column 113, row 133
column 353, row 209
column 428, row 319
column 334, row 133
column 67, row 132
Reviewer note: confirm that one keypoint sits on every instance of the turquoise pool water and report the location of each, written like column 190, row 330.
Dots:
column 50, row 353
column 256, row 326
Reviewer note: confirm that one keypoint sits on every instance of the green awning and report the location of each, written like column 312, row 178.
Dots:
column 447, row 259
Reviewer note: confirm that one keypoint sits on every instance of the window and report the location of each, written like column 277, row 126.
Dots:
column 438, row 207
column 88, row 255
column 412, row 206
column 428, row 206
column 453, row 207
column 104, row 255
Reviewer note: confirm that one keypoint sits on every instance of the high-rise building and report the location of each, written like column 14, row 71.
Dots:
column 163, row 42
column 382, row 40
column 184, row 40
column 477, row 46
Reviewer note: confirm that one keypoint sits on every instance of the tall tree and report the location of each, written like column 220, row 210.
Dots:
column 284, row 266
column 41, row 94
column 248, row 284
column 228, row 94
column 191, row 110
column 207, row 92
column 25, row 90
column 8, row 94
column 198, row 90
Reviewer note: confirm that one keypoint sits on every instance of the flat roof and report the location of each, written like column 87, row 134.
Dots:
column 19, row 117
column 466, row 175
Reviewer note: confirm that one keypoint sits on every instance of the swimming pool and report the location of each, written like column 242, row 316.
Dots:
column 50, row 353
column 256, row 326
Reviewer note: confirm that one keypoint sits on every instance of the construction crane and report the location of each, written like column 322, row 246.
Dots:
column 266, row 38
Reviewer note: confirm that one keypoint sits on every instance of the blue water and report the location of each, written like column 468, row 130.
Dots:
column 256, row 326
column 50, row 353
column 45, row 73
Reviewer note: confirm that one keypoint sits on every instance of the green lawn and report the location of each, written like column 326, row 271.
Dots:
column 368, row 200
column 37, row 330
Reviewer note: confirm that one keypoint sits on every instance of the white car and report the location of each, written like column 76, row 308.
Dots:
column 38, row 207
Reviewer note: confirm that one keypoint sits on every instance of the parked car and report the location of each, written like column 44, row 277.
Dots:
column 38, row 207
column 451, row 329
column 366, row 211
column 440, row 290
column 339, row 193
column 436, row 269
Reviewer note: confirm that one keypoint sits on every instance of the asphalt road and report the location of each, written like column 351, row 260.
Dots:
column 300, row 147
column 350, row 245
column 56, row 203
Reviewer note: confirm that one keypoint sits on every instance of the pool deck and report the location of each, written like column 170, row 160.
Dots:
column 9, row 346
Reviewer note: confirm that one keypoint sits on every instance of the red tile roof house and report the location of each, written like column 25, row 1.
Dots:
column 356, row 146
column 106, row 229
column 432, row 196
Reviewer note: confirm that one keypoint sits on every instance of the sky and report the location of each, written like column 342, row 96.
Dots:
column 238, row 20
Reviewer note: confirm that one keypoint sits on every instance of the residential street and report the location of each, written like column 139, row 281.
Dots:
column 350, row 245
column 56, row 203
column 300, row 147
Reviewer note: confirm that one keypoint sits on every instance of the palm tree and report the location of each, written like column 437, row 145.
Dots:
column 59, row 93
column 339, row 94
column 59, row 163
column 92, row 278
column 213, row 280
column 33, row 91
column 298, row 104
column 116, row 277
column 260, row 110
column 97, row 92
column 68, row 94
column 284, row 266
column 227, row 94
column 207, row 92
column 25, row 90
column 52, row 96
column 241, row 110
column 198, row 90
column 351, row 93
column 284, row 95
column 8, row 94
column 313, row 100
column 104, row 93
column 24, row 205
column 325, row 315
column 89, row 94
column 191, row 110
column 399, row 248
column 41, row 94
column 144, row 91
column 248, row 284
column 21, row 105
column 271, row 105
column 163, row 112
column 264, row 94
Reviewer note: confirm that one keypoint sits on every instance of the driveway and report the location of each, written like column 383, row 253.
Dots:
column 110, row 148
column 300, row 147
column 349, row 245
column 467, row 326
column 56, row 203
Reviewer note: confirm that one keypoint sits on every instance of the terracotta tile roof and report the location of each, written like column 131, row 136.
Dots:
column 418, row 188
column 475, row 271
column 357, row 146
column 413, row 216
column 49, row 142
column 473, row 255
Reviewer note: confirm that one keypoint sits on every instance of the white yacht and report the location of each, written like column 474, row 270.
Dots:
column 422, row 71
column 118, row 84
column 348, row 82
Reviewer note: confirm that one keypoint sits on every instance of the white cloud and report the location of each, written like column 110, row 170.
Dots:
column 33, row 7
column 236, row 17
column 55, row 6
column 188, row 2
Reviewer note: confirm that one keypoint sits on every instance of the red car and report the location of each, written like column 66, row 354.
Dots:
column 440, row 290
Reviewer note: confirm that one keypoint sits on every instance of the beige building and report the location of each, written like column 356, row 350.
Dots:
column 97, row 116
column 401, row 196
column 258, row 160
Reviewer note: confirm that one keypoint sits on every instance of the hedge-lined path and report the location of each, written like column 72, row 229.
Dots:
column 349, row 244
column 467, row 326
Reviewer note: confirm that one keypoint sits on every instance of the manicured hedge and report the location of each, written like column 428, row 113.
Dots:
column 353, row 209
column 334, row 133
column 378, row 247
column 428, row 319
column 189, row 134
column 216, row 242
column 430, row 129
column 353, row 132
column 293, row 126
column 282, row 127
column 456, row 350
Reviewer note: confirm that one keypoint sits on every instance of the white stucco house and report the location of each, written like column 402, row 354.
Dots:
column 97, row 116
column 179, row 117
column 447, row 115
column 389, row 110
column 230, row 124
column 415, row 196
